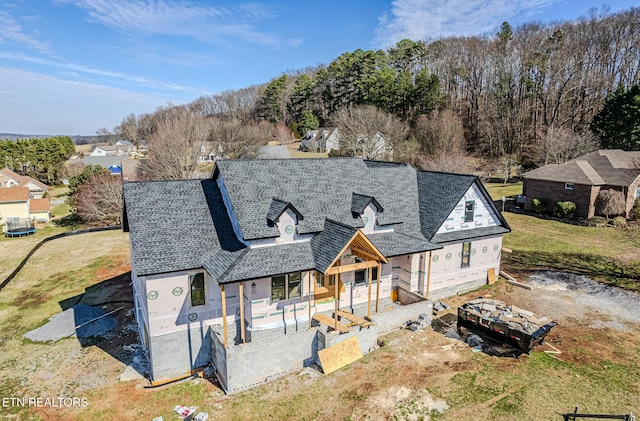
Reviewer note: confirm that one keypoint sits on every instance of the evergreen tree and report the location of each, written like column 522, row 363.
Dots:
column 617, row 124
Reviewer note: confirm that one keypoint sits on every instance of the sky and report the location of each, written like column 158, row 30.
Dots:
column 72, row 67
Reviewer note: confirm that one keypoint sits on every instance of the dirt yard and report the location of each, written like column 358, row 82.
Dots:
column 413, row 375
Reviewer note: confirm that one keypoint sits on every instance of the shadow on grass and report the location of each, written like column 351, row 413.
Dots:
column 114, row 297
column 602, row 269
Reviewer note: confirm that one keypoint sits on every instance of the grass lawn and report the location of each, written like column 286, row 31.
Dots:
column 497, row 190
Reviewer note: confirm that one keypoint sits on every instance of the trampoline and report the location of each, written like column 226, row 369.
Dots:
column 19, row 227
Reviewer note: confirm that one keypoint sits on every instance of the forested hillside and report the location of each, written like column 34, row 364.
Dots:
column 525, row 95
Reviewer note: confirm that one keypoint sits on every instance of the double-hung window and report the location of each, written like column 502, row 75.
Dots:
column 197, row 289
column 285, row 287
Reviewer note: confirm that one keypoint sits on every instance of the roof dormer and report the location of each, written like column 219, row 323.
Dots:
column 367, row 208
column 285, row 216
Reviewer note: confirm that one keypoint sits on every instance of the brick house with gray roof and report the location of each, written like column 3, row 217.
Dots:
column 261, row 266
column 581, row 179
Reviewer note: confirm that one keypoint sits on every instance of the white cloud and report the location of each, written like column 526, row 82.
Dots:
column 420, row 19
column 204, row 22
column 11, row 31
column 80, row 70
column 37, row 104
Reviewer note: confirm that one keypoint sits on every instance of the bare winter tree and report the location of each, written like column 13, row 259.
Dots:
column 128, row 128
column 560, row 145
column 369, row 131
column 440, row 133
column 610, row 202
column 238, row 139
column 174, row 147
column 100, row 200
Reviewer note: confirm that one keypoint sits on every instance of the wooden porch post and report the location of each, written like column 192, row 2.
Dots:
column 335, row 314
column 426, row 294
column 242, row 312
column 378, row 285
column 224, row 316
column 369, row 299
column 314, row 289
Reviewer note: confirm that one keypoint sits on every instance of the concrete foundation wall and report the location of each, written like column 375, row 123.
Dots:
column 176, row 354
column 245, row 366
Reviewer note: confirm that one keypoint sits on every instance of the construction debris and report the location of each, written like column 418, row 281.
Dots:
column 440, row 306
column 507, row 324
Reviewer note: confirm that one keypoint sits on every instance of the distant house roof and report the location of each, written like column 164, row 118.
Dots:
column 39, row 205
column 22, row 180
column 274, row 152
column 14, row 194
column 103, row 161
column 612, row 167
column 201, row 234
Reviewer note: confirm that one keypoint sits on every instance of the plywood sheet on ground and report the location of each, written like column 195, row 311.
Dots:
column 339, row 355
column 491, row 275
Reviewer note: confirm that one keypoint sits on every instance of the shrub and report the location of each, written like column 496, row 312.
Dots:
column 597, row 221
column 619, row 221
column 539, row 205
column 635, row 210
column 564, row 209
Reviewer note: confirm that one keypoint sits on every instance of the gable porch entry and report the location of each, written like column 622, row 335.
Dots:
column 356, row 263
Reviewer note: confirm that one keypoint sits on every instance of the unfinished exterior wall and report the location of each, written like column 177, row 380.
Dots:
column 449, row 278
column 176, row 354
column 483, row 216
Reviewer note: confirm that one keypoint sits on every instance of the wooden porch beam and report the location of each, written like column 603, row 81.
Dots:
column 224, row 316
column 350, row 268
column 426, row 294
column 363, row 253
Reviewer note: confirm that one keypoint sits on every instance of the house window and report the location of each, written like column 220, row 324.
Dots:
column 469, row 207
column 361, row 277
column 197, row 289
column 466, row 254
column 285, row 287
column 568, row 186
column 637, row 193
column 319, row 279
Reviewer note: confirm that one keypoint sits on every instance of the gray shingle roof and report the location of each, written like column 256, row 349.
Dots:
column 612, row 167
column 259, row 262
column 184, row 225
column 330, row 242
column 396, row 244
column 174, row 224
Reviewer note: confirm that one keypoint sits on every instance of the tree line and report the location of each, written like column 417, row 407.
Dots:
column 526, row 96
column 40, row 158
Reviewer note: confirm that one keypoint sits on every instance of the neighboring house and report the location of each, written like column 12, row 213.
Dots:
column 208, row 153
column 323, row 139
column 246, row 270
column 14, row 206
column 112, row 163
column 39, row 209
column 274, row 152
column 328, row 139
column 9, row 178
column 581, row 179
column 106, row 151
column 126, row 147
